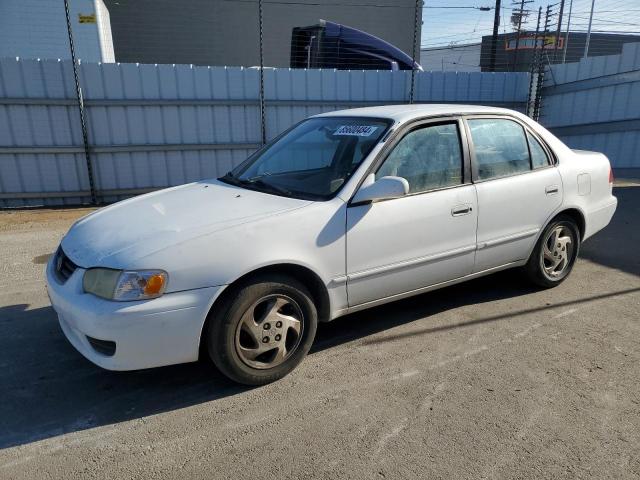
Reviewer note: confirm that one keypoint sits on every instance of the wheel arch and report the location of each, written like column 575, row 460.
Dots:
column 303, row 274
column 574, row 213
column 577, row 215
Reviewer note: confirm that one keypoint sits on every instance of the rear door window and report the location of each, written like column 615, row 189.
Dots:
column 500, row 147
column 539, row 157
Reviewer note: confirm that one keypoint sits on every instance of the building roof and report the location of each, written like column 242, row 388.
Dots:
column 405, row 112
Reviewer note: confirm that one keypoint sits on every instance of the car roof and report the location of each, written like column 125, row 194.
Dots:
column 405, row 112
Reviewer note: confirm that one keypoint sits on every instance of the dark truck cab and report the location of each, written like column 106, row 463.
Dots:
column 332, row 45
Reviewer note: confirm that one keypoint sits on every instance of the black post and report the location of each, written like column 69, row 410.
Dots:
column 415, row 47
column 532, row 72
column 263, row 126
column 494, row 37
column 83, row 124
column 540, row 80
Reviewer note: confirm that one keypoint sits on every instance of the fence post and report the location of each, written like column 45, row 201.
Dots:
column 263, row 126
column 415, row 47
column 534, row 63
column 540, row 79
column 83, row 124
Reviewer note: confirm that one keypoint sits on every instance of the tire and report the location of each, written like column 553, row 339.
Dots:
column 262, row 329
column 540, row 267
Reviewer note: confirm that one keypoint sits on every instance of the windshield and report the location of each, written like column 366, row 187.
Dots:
column 312, row 160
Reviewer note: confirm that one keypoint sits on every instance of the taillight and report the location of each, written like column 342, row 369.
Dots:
column 610, row 175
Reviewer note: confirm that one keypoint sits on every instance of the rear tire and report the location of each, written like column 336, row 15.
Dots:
column 262, row 329
column 555, row 253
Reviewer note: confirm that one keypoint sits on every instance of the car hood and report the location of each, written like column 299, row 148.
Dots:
column 118, row 235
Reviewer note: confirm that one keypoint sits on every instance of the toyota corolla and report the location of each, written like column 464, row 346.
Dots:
column 342, row 212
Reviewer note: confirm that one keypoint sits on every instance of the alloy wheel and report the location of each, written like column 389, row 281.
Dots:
column 269, row 331
column 557, row 252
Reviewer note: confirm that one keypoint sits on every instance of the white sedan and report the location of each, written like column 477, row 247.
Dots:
column 344, row 211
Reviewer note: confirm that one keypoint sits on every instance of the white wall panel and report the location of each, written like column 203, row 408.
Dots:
column 594, row 104
column 152, row 126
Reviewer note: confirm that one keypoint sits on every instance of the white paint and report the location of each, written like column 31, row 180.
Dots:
column 407, row 374
column 566, row 313
column 527, row 330
column 384, row 440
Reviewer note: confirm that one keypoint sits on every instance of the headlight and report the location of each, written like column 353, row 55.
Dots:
column 125, row 285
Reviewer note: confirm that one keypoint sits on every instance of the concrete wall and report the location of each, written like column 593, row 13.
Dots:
column 38, row 29
column 594, row 104
column 223, row 32
column 151, row 126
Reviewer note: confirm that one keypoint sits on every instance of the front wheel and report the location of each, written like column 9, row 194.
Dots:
column 555, row 253
column 262, row 329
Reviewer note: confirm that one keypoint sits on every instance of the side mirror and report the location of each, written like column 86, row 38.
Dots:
column 383, row 189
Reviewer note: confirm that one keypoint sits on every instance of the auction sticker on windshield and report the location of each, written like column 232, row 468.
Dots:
column 356, row 130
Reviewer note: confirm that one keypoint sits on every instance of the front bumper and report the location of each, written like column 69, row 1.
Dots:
column 148, row 333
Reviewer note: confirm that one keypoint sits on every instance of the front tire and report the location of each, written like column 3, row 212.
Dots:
column 262, row 329
column 555, row 253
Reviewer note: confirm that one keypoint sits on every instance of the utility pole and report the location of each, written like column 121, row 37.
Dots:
column 558, row 30
column 494, row 37
column 566, row 35
column 521, row 13
column 586, row 45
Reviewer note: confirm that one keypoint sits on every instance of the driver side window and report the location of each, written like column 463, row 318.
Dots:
column 428, row 158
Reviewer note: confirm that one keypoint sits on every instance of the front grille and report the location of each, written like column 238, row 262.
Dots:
column 104, row 347
column 63, row 266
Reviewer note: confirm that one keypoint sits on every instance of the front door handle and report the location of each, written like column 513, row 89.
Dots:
column 551, row 189
column 460, row 210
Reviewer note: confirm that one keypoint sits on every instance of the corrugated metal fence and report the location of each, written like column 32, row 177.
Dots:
column 594, row 104
column 152, row 126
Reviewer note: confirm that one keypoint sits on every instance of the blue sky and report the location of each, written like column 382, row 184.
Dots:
column 442, row 26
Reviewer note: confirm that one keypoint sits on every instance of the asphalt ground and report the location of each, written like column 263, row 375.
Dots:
column 488, row 379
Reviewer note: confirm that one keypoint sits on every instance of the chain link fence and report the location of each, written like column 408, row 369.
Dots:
column 111, row 98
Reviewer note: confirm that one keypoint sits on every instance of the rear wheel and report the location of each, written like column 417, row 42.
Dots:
column 555, row 253
column 262, row 330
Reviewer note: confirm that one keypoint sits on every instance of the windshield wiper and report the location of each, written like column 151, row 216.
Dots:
column 258, row 177
column 259, row 182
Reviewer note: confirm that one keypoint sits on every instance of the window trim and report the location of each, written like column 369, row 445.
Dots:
column 526, row 129
column 399, row 134
column 550, row 161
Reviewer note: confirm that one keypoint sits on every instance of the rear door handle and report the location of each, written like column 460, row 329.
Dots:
column 551, row 189
column 460, row 210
